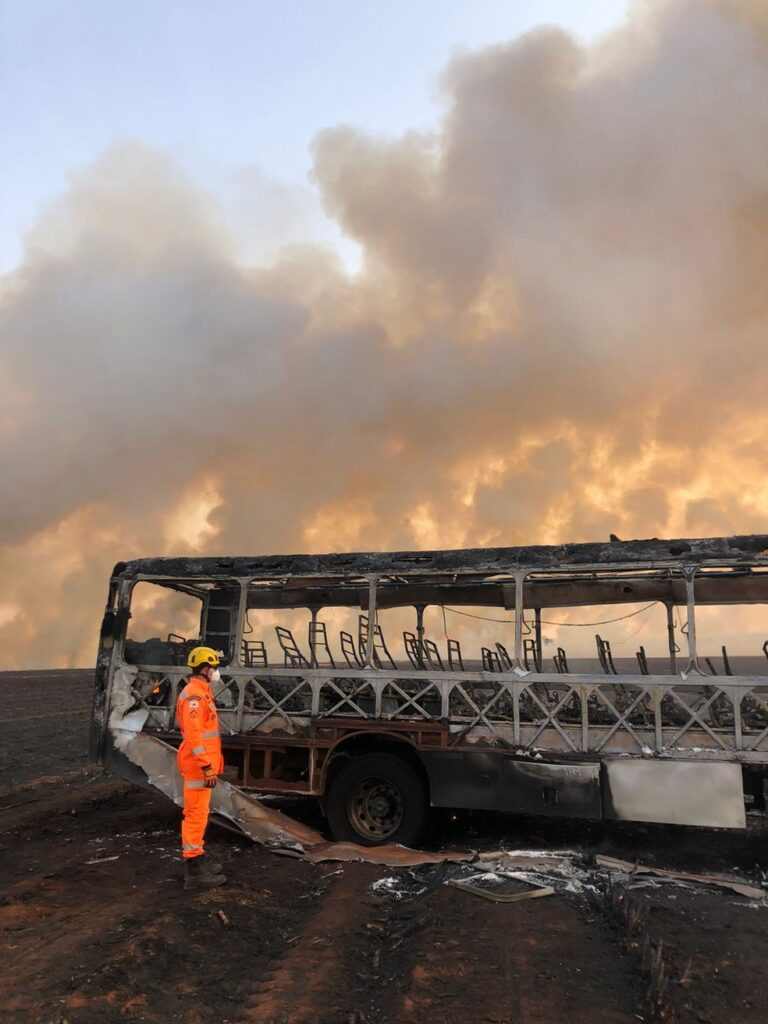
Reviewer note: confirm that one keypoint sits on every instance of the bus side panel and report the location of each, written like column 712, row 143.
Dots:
column 486, row 780
column 675, row 792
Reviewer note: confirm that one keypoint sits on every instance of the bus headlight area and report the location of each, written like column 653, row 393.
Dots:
column 387, row 684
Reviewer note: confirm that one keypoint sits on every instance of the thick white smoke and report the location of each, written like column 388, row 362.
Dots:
column 558, row 332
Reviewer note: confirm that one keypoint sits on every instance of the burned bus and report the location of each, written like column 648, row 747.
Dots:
column 332, row 686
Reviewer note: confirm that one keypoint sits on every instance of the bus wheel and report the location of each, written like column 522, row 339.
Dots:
column 377, row 798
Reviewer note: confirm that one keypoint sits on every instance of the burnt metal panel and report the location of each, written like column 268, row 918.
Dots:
column 492, row 781
column 745, row 550
column 571, row 591
column 675, row 792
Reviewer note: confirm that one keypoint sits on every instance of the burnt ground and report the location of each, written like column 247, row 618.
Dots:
column 95, row 927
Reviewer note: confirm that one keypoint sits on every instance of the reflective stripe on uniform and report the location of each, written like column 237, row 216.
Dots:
column 192, row 846
column 210, row 735
column 194, row 784
column 199, row 750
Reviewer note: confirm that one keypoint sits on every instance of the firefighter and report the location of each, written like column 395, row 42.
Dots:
column 200, row 762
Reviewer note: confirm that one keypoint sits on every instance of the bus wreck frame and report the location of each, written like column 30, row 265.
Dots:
column 681, row 747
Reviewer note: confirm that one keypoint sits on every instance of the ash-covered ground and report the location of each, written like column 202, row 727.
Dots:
column 96, row 928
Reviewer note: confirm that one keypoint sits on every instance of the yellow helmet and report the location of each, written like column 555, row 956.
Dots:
column 202, row 656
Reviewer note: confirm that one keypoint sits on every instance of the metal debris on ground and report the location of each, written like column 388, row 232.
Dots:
column 390, row 855
column 491, row 874
column 501, row 897
column 734, row 885
column 566, row 873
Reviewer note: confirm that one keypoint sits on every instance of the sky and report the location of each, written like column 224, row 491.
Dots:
column 235, row 90
column 556, row 215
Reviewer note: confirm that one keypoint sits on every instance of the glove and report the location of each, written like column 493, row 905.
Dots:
column 209, row 778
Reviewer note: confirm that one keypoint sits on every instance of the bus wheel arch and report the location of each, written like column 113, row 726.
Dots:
column 376, row 790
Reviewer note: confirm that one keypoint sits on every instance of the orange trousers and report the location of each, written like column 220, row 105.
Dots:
column 197, row 802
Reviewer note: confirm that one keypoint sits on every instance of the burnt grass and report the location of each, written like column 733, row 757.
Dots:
column 118, row 939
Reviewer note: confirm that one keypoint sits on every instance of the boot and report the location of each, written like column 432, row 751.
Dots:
column 199, row 875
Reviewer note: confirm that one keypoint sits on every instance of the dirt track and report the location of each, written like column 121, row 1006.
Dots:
column 118, row 940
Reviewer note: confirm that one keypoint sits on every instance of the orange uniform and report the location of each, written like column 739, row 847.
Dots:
column 200, row 749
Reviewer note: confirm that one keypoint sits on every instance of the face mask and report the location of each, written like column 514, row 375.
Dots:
column 215, row 676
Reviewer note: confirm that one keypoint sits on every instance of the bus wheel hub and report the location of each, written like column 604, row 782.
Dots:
column 376, row 808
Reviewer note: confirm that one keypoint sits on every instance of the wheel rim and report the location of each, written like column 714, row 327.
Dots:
column 375, row 808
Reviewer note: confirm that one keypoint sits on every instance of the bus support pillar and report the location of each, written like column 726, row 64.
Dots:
column 313, row 636
column 538, row 659
column 519, row 666
column 673, row 648
column 692, row 666
column 370, row 653
column 420, row 633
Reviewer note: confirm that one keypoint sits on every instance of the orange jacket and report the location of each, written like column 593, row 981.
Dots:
column 199, row 724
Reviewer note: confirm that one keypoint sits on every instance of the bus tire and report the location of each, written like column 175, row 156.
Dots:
column 377, row 798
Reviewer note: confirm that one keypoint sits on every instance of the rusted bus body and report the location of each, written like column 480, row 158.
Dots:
column 675, row 744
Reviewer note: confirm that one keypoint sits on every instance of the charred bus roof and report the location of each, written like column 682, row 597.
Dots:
column 747, row 550
column 571, row 574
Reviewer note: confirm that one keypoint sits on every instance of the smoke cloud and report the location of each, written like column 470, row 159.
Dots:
column 558, row 332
